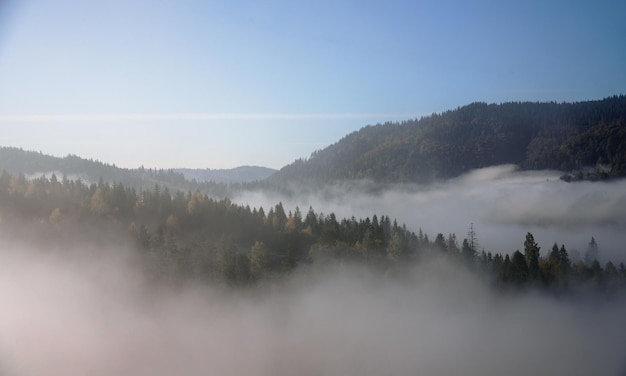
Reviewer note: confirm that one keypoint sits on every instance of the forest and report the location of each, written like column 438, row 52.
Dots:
column 585, row 139
column 189, row 236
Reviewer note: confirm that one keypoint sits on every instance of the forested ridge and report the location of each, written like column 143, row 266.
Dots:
column 241, row 174
column 583, row 139
column 561, row 136
column 182, row 236
column 15, row 160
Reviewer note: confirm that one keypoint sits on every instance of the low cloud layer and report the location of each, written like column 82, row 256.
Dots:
column 78, row 315
column 503, row 204
column 91, row 311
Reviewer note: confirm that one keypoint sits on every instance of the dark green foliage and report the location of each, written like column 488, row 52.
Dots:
column 190, row 236
column 531, row 255
column 440, row 243
column 396, row 247
column 566, row 137
column 519, row 271
column 565, row 264
column 551, row 269
column 593, row 253
column 452, row 245
column 468, row 252
column 18, row 161
column 258, row 259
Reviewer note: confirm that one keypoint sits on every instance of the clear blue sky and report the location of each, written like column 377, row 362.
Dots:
column 225, row 83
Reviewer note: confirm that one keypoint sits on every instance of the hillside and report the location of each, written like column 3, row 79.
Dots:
column 561, row 136
column 35, row 164
column 192, row 237
column 241, row 174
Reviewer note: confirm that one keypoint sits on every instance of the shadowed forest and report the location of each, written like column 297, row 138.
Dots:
column 190, row 236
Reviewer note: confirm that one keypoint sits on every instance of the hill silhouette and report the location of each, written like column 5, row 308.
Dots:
column 560, row 136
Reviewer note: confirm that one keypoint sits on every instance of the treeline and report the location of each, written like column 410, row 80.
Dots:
column 190, row 236
column 562, row 136
column 16, row 161
column 587, row 140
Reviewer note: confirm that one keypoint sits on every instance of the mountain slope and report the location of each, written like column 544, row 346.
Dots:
column 241, row 174
column 34, row 164
column 565, row 136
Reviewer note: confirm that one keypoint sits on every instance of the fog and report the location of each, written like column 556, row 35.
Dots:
column 92, row 313
column 502, row 203
column 87, row 310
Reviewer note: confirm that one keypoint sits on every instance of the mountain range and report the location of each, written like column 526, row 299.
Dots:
column 241, row 174
column 568, row 137
column 560, row 136
column 35, row 164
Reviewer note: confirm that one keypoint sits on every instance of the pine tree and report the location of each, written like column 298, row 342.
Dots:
column 472, row 239
column 531, row 255
column 551, row 268
column 467, row 252
column 452, row 245
column 519, row 272
column 592, row 253
column 440, row 243
column 258, row 259
column 565, row 265
column 395, row 247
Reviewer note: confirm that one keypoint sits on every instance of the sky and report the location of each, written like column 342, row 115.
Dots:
column 219, row 84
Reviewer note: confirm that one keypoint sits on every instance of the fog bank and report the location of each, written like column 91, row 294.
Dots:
column 503, row 204
column 92, row 315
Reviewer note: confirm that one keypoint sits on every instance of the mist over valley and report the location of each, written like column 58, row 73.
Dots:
column 235, row 188
column 502, row 202
column 478, row 268
column 93, row 312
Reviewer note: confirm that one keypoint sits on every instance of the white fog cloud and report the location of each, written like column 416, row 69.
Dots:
column 91, row 311
column 503, row 204
column 79, row 316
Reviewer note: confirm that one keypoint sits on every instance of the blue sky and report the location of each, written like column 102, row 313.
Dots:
column 219, row 84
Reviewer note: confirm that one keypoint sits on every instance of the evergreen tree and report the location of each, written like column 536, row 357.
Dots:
column 565, row 265
column 468, row 252
column 310, row 222
column 496, row 264
column 505, row 270
column 233, row 265
column 519, row 272
column 289, row 261
column 472, row 239
column 610, row 271
column 395, row 247
column 440, row 243
column 258, row 259
column 592, row 253
column 551, row 269
column 531, row 255
column 452, row 245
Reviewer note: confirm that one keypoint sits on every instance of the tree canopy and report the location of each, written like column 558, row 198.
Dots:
column 189, row 235
column 560, row 136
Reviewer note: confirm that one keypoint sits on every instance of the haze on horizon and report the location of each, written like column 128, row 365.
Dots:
column 222, row 84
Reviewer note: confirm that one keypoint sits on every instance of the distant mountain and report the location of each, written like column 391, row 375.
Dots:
column 34, row 164
column 242, row 174
column 561, row 136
